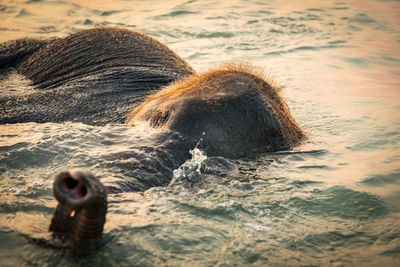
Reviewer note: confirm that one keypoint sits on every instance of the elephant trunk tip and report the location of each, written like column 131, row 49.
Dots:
column 82, row 206
column 77, row 189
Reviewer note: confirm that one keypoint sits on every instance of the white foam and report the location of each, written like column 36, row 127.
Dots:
column 190, row 169
column 257, row 227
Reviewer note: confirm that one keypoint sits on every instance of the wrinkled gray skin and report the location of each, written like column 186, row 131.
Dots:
column 98, row 76
column 94, row 76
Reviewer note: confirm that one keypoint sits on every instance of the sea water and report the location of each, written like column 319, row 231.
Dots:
column 333, row 201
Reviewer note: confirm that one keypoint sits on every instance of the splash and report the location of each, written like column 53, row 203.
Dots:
column 189, row 170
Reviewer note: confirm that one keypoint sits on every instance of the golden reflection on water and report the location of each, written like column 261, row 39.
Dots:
column 31, row 19
column 369, row 73
column 138, row 5
column 12, row 134
column 371, row 43
column 330, row 84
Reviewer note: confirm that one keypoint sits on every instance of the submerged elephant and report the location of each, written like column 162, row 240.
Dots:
column 97, row 76
column 94, row 76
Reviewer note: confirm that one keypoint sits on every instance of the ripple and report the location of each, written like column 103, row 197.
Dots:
column 209, row 35
column 383, row 179
column 341, row 202
column 362, row 19
column 110, row 12
column 23, row 13
column 285, row 208
column 176, row 13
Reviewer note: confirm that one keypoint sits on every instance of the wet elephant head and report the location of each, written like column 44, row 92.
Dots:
column 231, row 111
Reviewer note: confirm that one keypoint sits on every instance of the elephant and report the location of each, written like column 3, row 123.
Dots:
column 110, row 75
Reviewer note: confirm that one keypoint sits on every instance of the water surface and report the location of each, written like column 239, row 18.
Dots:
column 332, row 201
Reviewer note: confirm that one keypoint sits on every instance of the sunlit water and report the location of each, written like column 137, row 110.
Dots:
column 335, row 200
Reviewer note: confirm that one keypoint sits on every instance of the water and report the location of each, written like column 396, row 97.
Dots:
column 335, row 200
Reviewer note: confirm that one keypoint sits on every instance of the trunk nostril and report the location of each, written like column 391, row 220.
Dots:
column 68, row 183
column 81, row 211
column 80, row 190
column 75, row 188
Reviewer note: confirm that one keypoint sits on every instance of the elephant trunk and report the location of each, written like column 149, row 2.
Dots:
column 81, row 212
